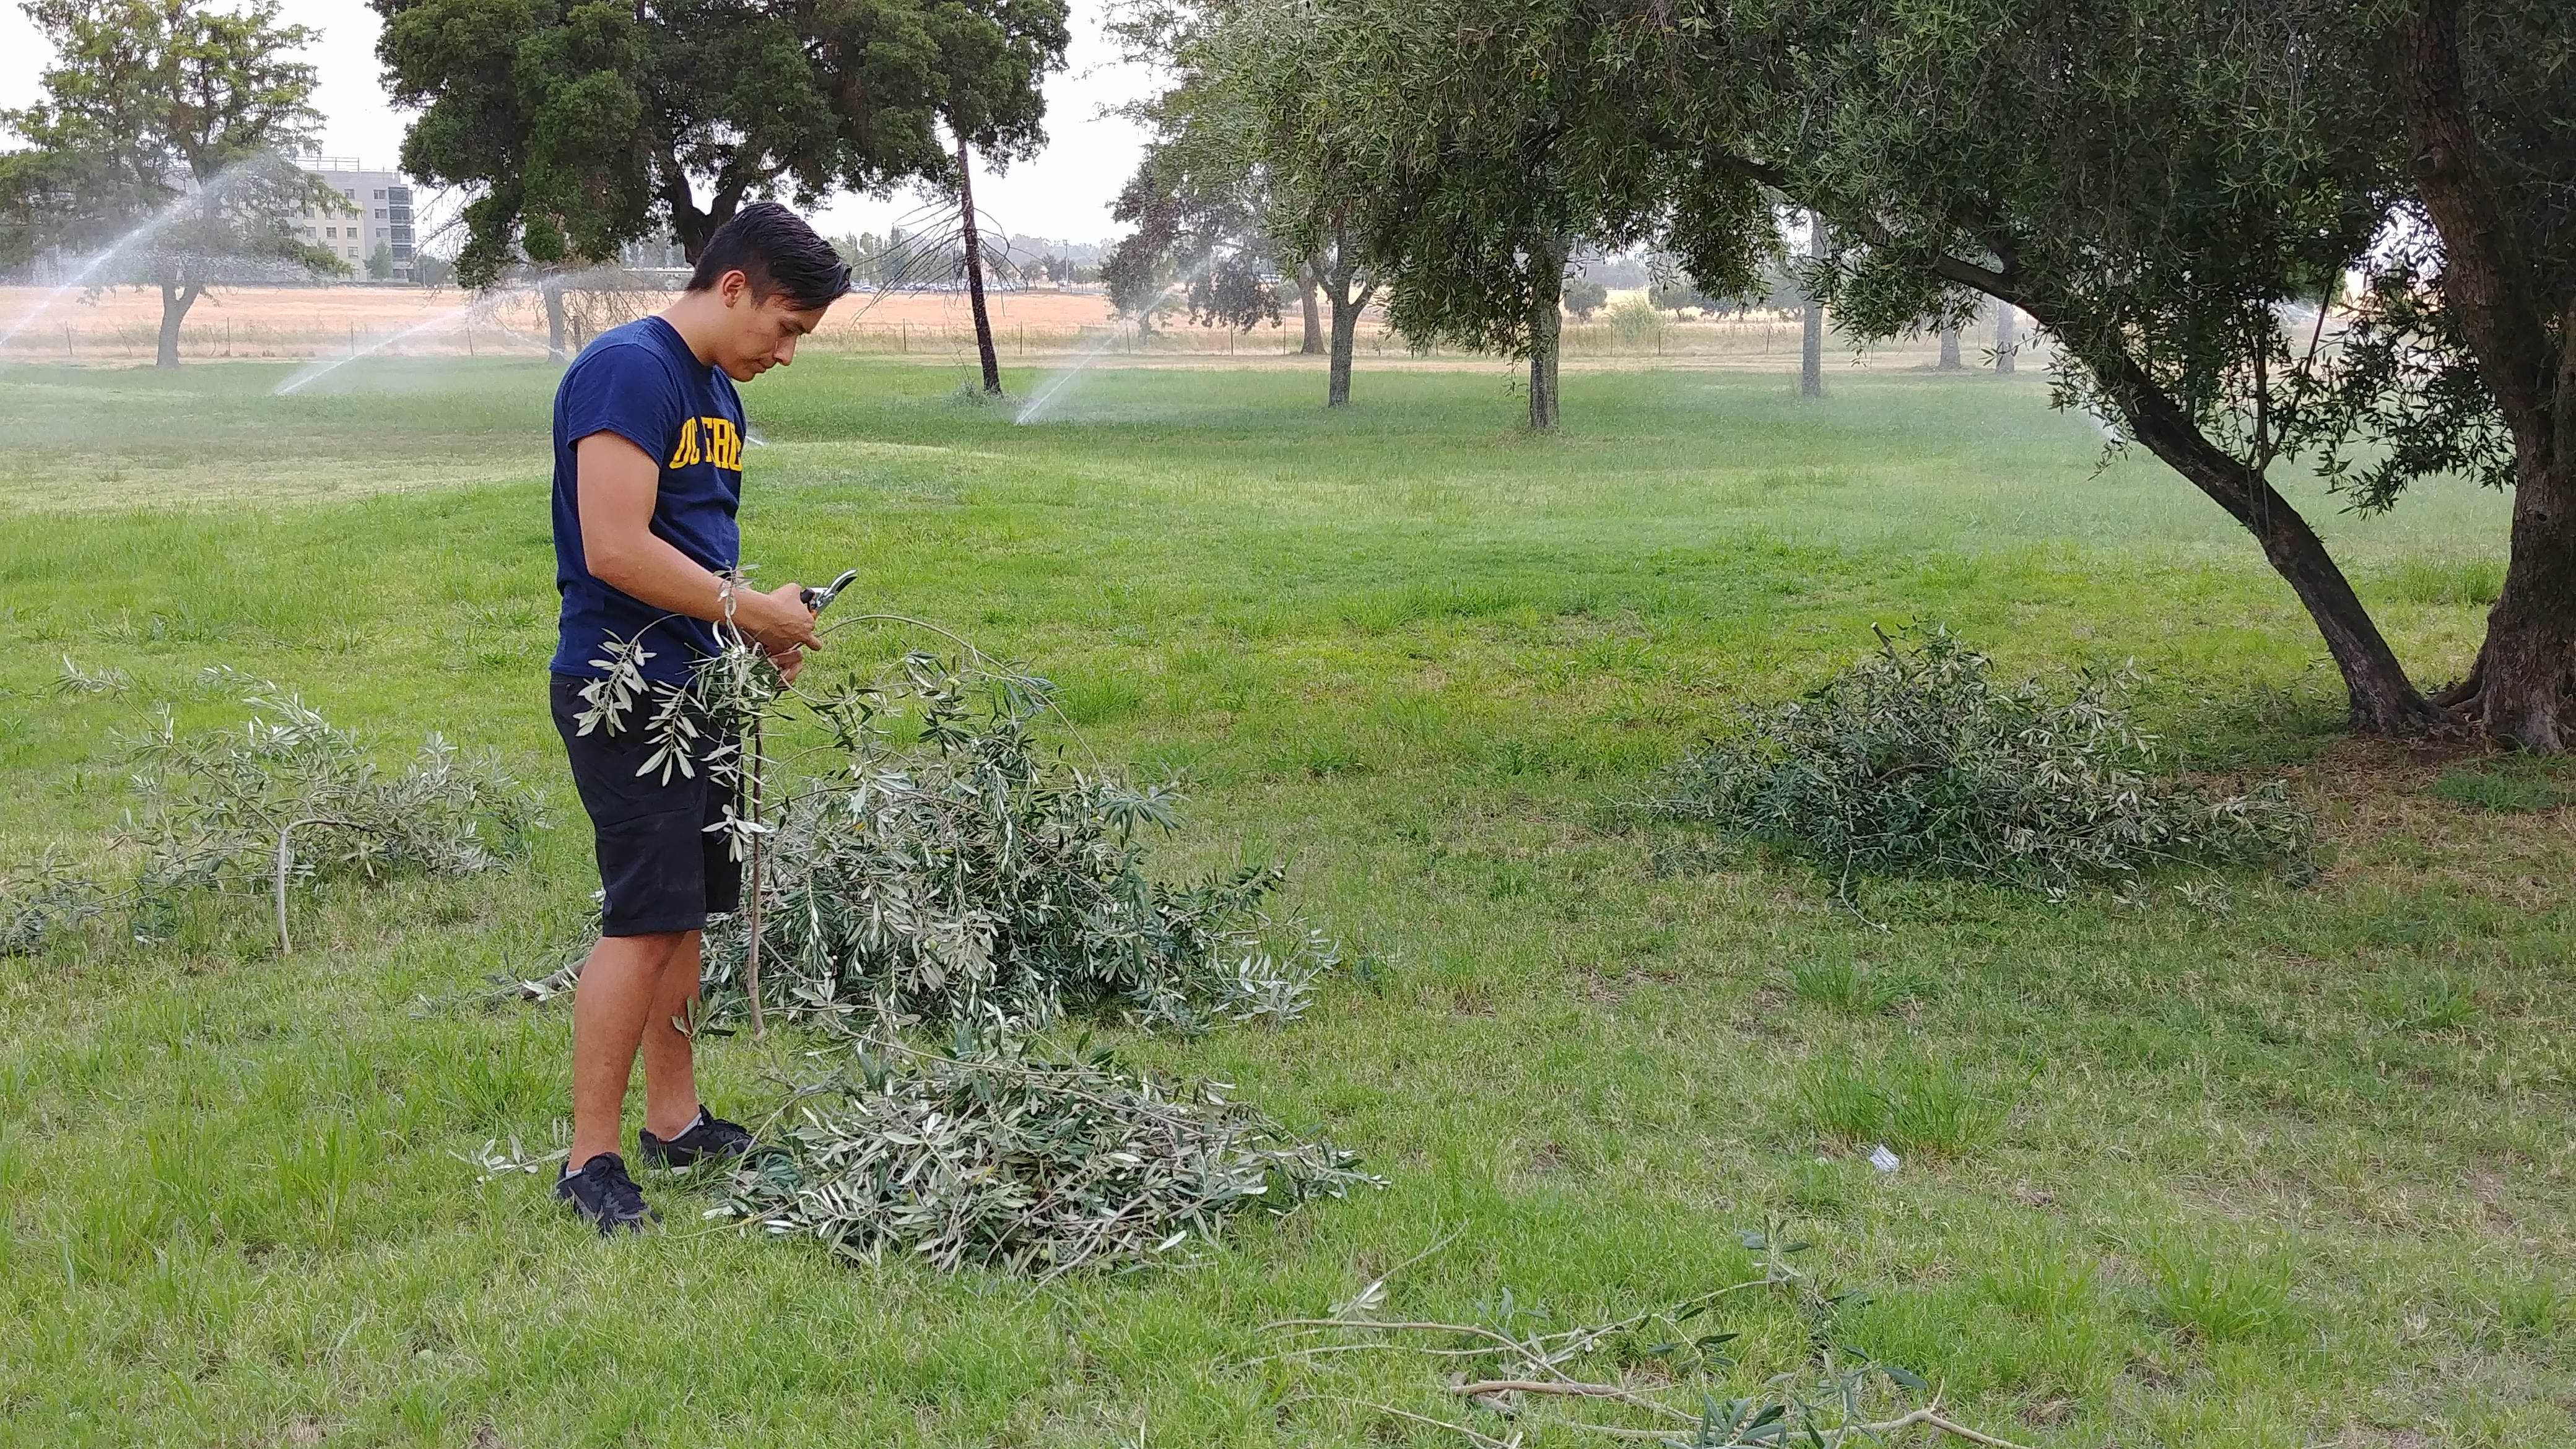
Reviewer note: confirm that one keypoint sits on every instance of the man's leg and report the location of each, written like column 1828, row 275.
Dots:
column 620, row 985
column 670, row 1074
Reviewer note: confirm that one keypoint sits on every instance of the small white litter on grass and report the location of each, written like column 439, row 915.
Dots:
column 1884, row 1160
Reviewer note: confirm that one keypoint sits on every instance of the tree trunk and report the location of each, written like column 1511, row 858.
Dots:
column 1313, row 344
column 1347, row 305
column 691, row 226
column 2523, row 686
column 1546, row 324
column 1949, row 349
column 975, row 277
column 554, row 320
column 2382, row 700
column 1811, row 345
column 176, row 299
column 2005, row 344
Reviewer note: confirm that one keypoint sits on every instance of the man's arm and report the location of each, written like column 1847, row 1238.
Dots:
column 615, row 484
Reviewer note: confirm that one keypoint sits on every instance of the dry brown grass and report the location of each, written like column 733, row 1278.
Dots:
column 295, row 323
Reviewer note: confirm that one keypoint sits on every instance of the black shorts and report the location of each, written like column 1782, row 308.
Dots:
column 661, row 869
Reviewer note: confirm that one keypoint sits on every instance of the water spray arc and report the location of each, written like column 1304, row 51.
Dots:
column 123, row 246
column 1042, row 402
column 319, row 368
column 484, row 311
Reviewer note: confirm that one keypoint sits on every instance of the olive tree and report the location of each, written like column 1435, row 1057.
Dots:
column 1238, row 169
column 2150, row 182
column 1461, row 150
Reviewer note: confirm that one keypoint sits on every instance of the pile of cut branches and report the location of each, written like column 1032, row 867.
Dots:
column 1917, row 761
column 934, row 866
column 989, row 1156
column 287, row 798
column 225, row 806
column 44, row 903
column 939, row 866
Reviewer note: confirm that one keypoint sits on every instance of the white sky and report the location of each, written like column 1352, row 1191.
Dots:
column 1063, row 193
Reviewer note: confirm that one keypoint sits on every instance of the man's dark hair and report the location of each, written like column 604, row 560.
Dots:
column 779, row 253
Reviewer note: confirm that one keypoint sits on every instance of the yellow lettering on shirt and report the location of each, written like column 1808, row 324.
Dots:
column 708, row 440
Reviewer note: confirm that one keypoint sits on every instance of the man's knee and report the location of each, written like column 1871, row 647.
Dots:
column 647, row 954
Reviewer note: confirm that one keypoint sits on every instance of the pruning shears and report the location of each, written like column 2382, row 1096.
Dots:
column 816, row 600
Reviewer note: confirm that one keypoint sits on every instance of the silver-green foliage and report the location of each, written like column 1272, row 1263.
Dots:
column 1917, row 761
column 44, row 902
column 988, row 1156
column 216, row 805
column 938, row 866
column 951, row 869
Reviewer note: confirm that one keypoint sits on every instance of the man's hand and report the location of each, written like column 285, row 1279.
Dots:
column 777, row 621
column 790, row 663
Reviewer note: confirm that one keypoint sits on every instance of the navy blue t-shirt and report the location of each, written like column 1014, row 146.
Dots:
column 641, row 382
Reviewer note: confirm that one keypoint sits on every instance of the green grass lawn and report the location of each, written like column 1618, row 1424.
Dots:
column 2269, row 1167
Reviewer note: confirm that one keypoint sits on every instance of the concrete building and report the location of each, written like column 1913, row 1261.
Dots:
column 375, row 212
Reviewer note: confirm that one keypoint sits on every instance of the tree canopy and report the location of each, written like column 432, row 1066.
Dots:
column 2153, row 183
column 1460, row 151
column 1202, row 208
column 586, row 125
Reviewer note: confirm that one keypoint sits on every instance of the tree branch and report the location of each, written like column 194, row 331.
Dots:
column 2485, row 272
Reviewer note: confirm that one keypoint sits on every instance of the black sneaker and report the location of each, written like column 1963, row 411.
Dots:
column 604, row 1195
column 708, row 1136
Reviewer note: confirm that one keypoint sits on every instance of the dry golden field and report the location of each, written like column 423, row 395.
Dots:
column 119, row 326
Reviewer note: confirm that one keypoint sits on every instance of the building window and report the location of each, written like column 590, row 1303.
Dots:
column 380, row 195
column 380, row 213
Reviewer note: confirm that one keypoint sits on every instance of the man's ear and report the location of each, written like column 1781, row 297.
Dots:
column 733, row 286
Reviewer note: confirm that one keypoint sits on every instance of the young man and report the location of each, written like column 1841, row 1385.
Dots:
column 648, row 473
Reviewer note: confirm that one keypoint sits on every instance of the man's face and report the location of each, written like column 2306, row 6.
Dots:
column 763, row 330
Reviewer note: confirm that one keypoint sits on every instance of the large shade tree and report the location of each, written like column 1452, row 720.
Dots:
column 156, row 156
column 581, row 126
column 2155, row 184
column 2174, row 193
column 991, row 57
column 1199, row 212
